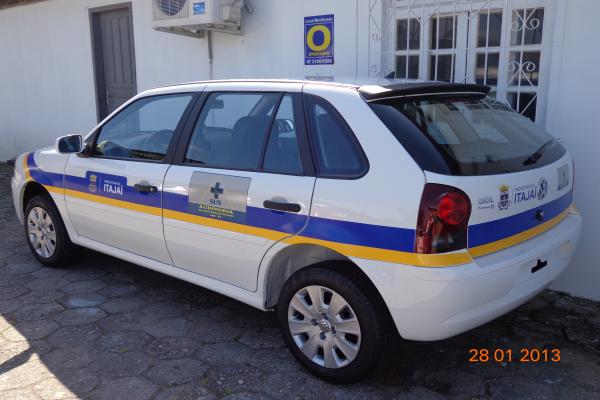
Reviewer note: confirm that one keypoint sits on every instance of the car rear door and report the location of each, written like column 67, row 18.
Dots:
column 241, row 181
column 114, row 196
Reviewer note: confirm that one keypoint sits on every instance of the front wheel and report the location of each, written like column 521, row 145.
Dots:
column 331, row 326
column 46, row 233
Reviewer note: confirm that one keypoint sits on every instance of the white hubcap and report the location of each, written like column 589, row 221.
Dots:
column 324, row 326
column 42, row 235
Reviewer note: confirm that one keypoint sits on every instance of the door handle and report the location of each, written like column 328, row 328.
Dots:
column 282, row 206
column 143, row 188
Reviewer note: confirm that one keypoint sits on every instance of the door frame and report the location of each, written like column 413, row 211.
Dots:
column 97, row 59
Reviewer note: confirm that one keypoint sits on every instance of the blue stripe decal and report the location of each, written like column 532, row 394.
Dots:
column 379, row 236
column 493, row 231
column 41, row 176
column 130, row 193
column 354, row 233
column 255, row 216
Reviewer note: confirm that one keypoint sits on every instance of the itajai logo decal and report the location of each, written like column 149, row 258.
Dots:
column 542, row 189
column 106, row 185
column 504, row 201
column 92, row 186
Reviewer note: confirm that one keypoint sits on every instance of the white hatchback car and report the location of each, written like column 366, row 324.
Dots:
column 350, row 210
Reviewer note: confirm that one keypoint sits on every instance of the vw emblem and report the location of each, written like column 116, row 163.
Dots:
column 542, row 189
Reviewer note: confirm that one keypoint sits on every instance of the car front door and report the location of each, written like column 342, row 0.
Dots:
column 243, row 183
column 114, row 195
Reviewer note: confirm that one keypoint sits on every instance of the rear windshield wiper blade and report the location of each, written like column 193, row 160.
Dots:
column 534, row 157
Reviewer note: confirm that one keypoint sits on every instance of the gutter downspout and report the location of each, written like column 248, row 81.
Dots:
column 210, row 54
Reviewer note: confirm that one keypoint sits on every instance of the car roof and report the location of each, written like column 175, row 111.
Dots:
column 371, row 89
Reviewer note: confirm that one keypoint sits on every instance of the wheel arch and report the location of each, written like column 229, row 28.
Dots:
column 294, row 258
column 30, row 190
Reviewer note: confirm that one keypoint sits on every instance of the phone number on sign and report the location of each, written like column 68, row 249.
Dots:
column 508, row 355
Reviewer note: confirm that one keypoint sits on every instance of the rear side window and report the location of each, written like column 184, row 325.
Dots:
column 232, row 129
column 336, row 150
column 468, row 135
column 143, row 130
column 283, row 152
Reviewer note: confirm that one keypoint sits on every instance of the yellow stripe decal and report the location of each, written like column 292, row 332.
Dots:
column 229, row 226
column 26, row 168
column 113, row 202
column 393, row 256
column 518, row 238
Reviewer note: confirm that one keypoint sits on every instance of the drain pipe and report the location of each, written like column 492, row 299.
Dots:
column 210, row 53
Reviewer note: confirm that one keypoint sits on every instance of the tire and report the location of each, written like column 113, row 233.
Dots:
column 353, row 353
column 46, row 233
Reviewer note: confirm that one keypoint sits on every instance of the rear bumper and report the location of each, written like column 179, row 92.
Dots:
column 437, row 303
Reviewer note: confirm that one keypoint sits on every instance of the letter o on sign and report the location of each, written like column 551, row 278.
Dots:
column 326, row 38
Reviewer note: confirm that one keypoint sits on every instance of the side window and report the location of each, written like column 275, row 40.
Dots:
column 283, row 153
column 336, row 150
column 231, row 130
column 144, row 129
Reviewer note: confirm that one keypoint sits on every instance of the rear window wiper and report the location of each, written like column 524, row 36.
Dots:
column 534, row 157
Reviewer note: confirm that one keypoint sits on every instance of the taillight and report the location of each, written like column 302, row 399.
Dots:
column 443, row 219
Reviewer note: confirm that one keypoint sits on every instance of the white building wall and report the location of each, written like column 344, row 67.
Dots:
column 47, row 81
column 46, row 68
column 573, row 107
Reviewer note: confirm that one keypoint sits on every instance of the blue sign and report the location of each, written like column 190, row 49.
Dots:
column 106, row 185
column 199, row 8
column 318, row 40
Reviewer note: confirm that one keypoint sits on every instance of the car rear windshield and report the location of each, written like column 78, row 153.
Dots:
column 471, row 135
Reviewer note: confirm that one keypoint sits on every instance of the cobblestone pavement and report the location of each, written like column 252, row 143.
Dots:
column 107, row 329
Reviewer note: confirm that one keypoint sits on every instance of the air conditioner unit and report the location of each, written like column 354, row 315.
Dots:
column 194, row 17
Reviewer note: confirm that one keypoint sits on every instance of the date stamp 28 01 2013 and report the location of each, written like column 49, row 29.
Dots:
column 524, row 355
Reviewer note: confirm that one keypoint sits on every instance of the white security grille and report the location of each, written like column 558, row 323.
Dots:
column 505, row 44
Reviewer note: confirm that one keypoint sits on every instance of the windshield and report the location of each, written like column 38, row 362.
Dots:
column 468, row 135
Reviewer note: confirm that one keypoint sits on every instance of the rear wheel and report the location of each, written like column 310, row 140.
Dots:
column 46, row 233
column 332, row 327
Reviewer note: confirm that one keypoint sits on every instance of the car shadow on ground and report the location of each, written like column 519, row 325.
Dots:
column 105, row 329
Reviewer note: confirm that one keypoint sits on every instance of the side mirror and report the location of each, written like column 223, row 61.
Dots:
column 69, row 144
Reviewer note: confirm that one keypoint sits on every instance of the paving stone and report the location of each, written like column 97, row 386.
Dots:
column 73, row 336
column 79, row 316
column 22, row 375
column 119, row 290
column 84, row 300
column 121, row 365
column 130, row 388
column 71, row 359
column 53, row 389
column 185, row 392
column 209, row 332
column 233, row 378
column 30, row 330
column 13, row 280
column 123, row 304
column 10, row 292
column 36, row 311
column 263, row 338
column 80, row 287
column 226, row 353
column 519, row 387
column 172, row 372
column 121, row 342
column 172, row 347
column 42, row 296
column 86, row 274
column 165, row 309
column 21, row 267
column 166, row 327
column 47, row 283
